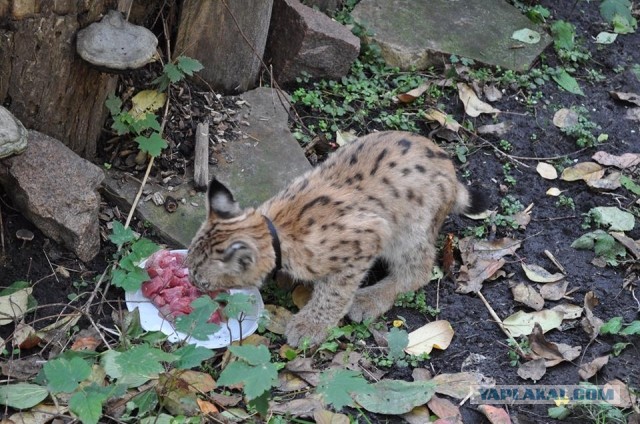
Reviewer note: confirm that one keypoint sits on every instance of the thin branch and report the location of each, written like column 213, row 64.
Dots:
column 498, row 321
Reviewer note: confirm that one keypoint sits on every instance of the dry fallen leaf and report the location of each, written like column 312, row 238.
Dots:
column 481, row 259
column 591, row 323
column 540, row 275
column 632, row 245
column 547, row 171
column 146, row 101
column 86, row 343
column 473, row 106
column 436, row 334
column 304, row 407
column 609, row 183
column 626, row 160
column 626, row 398
column 586, row 171
column 533, row 370
column 522, row 323
column 626, row 97
column 323, row 416
column 525, row 293
column 14, row 305
column 565, row 118
column 345, row 137
column 25, row 337
column 570, row 311
column 552, row 353
column 554, row 191
column 494, row 414
column 411, row 95
column 590, row 369
column 460, row 385
column 278, row 318
column 633, row 114
column 495, row 129
column 492, row 93
column 442, row 118
column 554, row 291
column 301, row 295
column 418, row 415
column 289, row 382
column 206, row 407
column 444, row 408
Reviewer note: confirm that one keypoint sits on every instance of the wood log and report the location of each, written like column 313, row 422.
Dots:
column 43, row 82
column 201, row 160
column 228, row 37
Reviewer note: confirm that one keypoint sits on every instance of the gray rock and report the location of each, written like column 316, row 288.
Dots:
column 56, row 190
column 302, row 39
column 421, row 33
column 13, row 135
column 114, row 43
column 255, row 168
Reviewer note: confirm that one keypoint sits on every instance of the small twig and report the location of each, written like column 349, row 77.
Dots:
column 51, row 266
column 498, row 321
column 162, row 125
column 633, row 293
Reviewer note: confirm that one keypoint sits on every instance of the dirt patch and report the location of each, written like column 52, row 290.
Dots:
column 56, row 274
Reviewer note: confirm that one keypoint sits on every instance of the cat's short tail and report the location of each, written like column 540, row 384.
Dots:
column 470, row 201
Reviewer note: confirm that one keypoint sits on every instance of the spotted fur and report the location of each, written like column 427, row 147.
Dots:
column 384, row 196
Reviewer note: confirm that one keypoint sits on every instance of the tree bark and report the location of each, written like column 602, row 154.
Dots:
column 228, row 37
column 43, row 82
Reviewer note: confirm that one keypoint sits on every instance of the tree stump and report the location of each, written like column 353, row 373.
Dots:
column 43, row 82
column 228, row 37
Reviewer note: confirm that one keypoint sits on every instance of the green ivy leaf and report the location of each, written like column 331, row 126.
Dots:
column 129, row 280
column 152, row 144
column 618, row 14
column 114, row 104
column 237, row 303
column 254, row 370
column 567, row 82
column 631, row 329
column 618, row 348
column 191, row 356
column 613, row 326
column 149, row 121
column 22, row 395
column 397, row 341
column 64, row 375
column 142, row 249
column 628, row 183
column 121, row 235
column 195, row 324
column 87, row 403
column 336, row 387
column 559, row 412
column 564, row 35
column 189, row 65
column 172, row 72
column 143, row 360
column 613, row 218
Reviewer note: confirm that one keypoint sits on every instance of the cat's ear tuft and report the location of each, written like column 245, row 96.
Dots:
column 221, row 202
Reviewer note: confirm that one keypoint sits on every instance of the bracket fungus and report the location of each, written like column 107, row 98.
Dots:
column 13, row 135
column 113, row 43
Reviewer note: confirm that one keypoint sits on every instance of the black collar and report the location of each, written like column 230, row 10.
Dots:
column 275, row 242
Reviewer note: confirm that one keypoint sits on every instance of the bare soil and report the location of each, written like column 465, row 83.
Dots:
column 552, row 228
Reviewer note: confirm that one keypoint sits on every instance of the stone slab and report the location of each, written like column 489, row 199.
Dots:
column 57, row 191
column 255, row 168
column 424, row 33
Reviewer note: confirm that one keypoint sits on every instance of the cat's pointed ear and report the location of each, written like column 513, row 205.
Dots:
column 221, row 202
column 240, row 256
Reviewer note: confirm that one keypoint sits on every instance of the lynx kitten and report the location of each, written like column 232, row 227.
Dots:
column 384, row 196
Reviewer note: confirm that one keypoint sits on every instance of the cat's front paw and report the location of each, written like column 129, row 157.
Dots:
column 303, row 328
